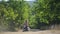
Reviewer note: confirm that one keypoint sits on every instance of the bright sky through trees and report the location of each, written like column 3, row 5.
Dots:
column 4, row 0
column 0, row 0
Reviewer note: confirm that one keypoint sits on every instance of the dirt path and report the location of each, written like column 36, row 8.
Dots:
column 38, row 32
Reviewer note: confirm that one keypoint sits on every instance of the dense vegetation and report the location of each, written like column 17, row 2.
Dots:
column 39, row 13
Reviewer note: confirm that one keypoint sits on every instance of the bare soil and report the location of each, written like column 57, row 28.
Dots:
column 32, row 32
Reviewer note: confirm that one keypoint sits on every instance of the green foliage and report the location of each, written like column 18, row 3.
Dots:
column 25, row 11
column 45, row 11
column 14, row 13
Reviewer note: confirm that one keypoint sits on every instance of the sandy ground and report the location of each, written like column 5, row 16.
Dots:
column 37, row 32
